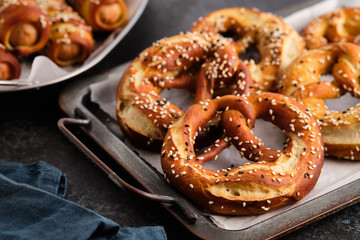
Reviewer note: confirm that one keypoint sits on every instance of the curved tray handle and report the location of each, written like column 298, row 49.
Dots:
column 191, row 218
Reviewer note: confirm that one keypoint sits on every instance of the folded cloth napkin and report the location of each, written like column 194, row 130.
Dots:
column 32, row 207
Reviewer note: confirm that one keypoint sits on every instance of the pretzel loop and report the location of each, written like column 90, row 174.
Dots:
column 340, row 25
column 301, row 80
column 274, row 179
column 277, row 43
column 202, row 63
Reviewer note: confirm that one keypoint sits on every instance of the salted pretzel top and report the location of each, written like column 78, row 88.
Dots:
column 277, row 43
column 202, row 63
column 340, row 25
column 276, row 178
column 301, row 80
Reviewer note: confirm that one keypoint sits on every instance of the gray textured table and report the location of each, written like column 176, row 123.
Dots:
column 28, row 131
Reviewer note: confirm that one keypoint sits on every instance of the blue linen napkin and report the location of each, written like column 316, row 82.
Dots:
column 32, row 207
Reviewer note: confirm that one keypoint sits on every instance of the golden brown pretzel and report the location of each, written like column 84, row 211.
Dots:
column 340, row 25
column 277, row 43
column 9, row 65
column 301, row 80
column 276, row 178
column 101, row 15
column 24, row 29
column 71, row 40
column 202, row 63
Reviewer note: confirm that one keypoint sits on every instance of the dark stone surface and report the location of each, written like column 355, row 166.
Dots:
column 29, row 133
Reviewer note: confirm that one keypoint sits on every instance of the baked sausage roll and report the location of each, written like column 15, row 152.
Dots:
column 71, row 40
column 9, row 65
column 101, row 15
column 340, row 25
column 274, row 179
column 301, row 80
column 24, row 29
column 204, row 64
column 277, row 43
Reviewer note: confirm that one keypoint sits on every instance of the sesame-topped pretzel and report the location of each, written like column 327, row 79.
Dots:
column 102, row 15
column 24, row 29
column 274, row 179
column 202, row 63
column 71, row 40
column 340, row 25
column 277, row 42
column 301, row 80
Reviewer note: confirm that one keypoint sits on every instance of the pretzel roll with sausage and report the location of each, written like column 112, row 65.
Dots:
column 24, row 29
column 301, row 80
column 71, row 40
column 101, row 15
column 275, row 178
column 340, row 25
column 203, row 63
column 9, row 65
column 277, row 43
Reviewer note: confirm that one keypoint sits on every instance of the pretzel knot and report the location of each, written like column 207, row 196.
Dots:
column 341, row 25
column 301, row 80
column 275, row 178
column 277, row 43
column 205, row 64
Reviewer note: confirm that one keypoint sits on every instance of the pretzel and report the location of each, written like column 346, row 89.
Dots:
column 340, row 25
column 276, row 42
column 9, row 65
column 71, row 40
column 274, row 179
column 24, row 29
column 101, row 15
column 202, row 63
column 301, row 80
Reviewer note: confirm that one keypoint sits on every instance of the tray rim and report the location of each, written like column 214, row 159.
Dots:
column 72, row 97
column 100, row 56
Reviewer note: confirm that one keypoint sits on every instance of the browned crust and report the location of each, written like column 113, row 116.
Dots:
column 343, row 151
column 301, row 80
column 200, row 63
column 277, row 42
column 258, row 187
column 340, row 25
column 23, row 11
column 9, row 65
column 92, row 12
column 67, row 28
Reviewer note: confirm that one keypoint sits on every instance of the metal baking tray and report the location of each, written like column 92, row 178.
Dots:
column 104, row 130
